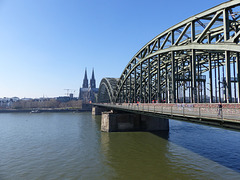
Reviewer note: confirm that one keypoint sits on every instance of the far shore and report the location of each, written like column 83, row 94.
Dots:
column 38, row 110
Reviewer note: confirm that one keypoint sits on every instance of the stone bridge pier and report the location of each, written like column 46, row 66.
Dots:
column 96, row 110
column 117, row 121
column 122, row 121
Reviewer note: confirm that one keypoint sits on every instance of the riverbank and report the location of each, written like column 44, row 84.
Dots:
column 43, row 110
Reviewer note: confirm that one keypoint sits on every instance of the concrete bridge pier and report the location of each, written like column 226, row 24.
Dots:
column 115, row 122
column 98, row 110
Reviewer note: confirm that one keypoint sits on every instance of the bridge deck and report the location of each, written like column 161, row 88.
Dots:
column 227, row 117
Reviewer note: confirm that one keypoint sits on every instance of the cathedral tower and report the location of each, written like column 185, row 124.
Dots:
column 85, row 80
column 92, row 80
column 88, row 94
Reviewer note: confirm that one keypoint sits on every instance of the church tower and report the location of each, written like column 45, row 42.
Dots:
column 86, row 94
column 92, row 80
column 85, row 80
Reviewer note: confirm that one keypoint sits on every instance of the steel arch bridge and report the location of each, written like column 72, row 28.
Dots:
column 196, row 60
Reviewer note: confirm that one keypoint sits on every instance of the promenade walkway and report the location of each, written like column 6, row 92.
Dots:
column 198, row 112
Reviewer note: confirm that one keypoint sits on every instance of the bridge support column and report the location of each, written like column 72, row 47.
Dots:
column 158, row 79
column 193, row 82
column 238, row 77
column 173, row 93
column 97, row 110
column 228, row 77
column 149, row 123
column 166, row 84
column 115, row 122
column 141, row 82
column 210, row 77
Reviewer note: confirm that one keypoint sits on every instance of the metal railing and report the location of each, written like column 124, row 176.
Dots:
column 226, row 114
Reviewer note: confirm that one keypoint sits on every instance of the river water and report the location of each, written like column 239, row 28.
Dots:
column 71, row 146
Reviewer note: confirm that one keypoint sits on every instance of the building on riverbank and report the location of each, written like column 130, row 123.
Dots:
column 7, row 102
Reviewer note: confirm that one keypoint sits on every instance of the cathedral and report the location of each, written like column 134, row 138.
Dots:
column 88, row 92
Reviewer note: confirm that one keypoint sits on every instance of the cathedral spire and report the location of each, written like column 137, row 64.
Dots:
column 85, row 80
column 93, row 74
column 92, row 80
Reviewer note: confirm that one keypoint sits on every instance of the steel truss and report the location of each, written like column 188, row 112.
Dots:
column 106, row 90
column 195, row 61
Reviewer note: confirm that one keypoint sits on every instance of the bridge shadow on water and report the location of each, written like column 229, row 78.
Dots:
column 208, row 143
column 161, row 134
column 216, row 144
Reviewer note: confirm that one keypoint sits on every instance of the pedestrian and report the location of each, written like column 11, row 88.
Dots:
column 220, row 109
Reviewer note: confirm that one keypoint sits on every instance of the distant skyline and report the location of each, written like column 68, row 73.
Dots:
column 45, row 46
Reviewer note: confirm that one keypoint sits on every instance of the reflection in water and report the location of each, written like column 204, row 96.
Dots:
column 141, row 155
column 71, row 146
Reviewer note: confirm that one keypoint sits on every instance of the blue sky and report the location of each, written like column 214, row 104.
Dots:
column 45, row 45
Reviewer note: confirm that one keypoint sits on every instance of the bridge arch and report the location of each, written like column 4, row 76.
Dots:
column 106, row 90
column 196, row 60
column 198, row 54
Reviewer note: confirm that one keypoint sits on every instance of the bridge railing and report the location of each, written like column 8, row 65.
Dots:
column 232, row 114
